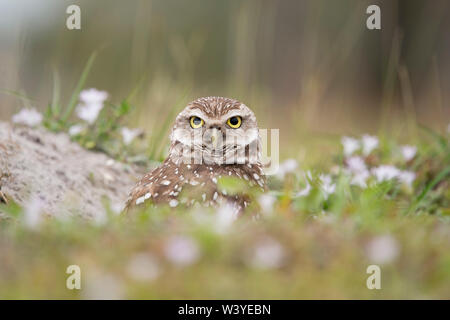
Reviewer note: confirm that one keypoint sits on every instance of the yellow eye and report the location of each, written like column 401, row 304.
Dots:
column 196, row 122
column 234, row 122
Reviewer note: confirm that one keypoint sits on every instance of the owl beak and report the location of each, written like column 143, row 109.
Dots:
column 214, row 137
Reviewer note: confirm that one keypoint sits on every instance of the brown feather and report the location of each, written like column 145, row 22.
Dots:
column 197, row 182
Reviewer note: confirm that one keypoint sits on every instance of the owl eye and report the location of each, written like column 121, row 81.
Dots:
column 196, row 122
column 234, row 122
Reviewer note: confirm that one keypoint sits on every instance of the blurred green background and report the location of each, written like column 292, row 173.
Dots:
column 304, row 66
column 311, row 69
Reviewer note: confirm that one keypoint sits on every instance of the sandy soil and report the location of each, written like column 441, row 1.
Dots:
column 67, row 179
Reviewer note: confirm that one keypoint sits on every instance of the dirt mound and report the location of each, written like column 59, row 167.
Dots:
column 65, row 178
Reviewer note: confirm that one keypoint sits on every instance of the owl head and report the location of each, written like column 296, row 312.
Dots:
column 215, row 130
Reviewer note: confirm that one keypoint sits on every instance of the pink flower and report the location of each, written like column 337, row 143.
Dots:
column 369, row 143
column 128, row 135
column 182, row 251
column 383, row 249
column 93, row 96
column 268, row 254
column 407, row 178
column 385, row 172
column 350, row 145
column 327, row 186
column 408, row 152
column 356, row 164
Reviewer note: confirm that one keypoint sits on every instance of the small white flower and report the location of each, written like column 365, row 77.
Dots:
column 287, row 166
column 407, row 178
column 328, row 189
column 305, row 192
column 356, row 167
column 224, row 218
column 326, row 185
column 385, row 172
column 30, row 117
column 408, row 152
column 182, row 251
column 92, row 103
column 359, row 179
column 128, row 135
column 173, row 203
column 143, row 267
column 356, row 164
column 383, row 249
column 369, row 143
column 33, row 213
column 117, row 207
column 266, row 201
column 102, row 286
column 268, row 254
column 89, row 112
column 76, row 129
column 350, row 145
column 93, row 96
column 100, row 218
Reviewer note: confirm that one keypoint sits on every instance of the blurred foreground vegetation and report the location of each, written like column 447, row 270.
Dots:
column 314, row 244
column 308, row 67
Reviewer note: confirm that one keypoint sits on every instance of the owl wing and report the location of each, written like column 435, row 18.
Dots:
column 198, row 182
column 137, row 194
column 162, row 184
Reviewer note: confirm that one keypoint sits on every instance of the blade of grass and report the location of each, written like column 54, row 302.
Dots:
column 408, row 100
column 441, row 141
column 390, row 77
column 56, row 93
column 135, row 89
column 441, row 176
column 80, row 84
column 12, row 209
column 22, row 96
column 157, row 140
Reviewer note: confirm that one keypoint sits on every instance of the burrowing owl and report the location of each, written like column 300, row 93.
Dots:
column 212, row 138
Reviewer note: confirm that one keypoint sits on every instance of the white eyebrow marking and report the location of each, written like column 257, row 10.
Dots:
column 233, row 113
